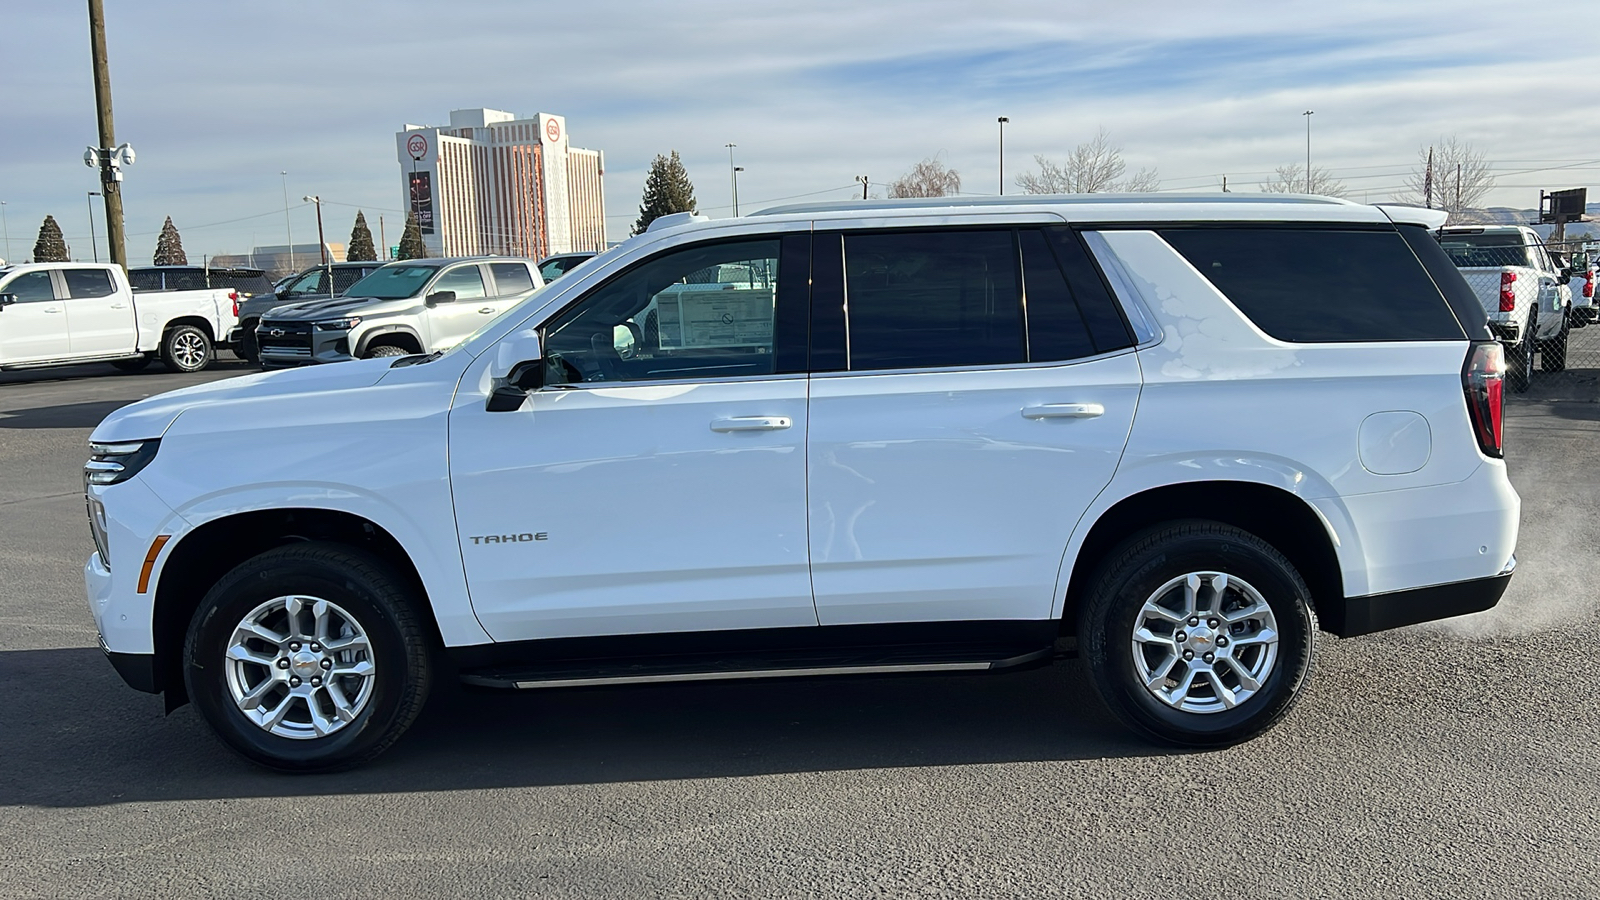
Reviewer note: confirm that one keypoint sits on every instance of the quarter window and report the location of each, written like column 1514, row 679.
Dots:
column 932, row 299
column 86, row 283
column 704, row 312
column 1317, row 285
column 466, row 281
column 511, row 279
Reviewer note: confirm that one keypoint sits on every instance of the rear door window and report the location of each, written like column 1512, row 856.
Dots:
column 84, row 283
column 511, row 279
column 923, row 299
column 1321, row 285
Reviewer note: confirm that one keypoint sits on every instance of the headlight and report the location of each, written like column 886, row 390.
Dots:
column 116, row 463
column 339, row 324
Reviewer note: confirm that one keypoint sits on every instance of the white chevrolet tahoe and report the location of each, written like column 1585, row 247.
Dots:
column 66, row 314
column 402, row 308
column 1178, row 434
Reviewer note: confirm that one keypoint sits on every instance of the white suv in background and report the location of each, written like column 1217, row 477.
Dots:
column 1184, row 432
column 402, row 308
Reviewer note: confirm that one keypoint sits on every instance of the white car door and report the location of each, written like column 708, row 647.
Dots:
column 658, row 489
column 450, row 321
column 976, row 417
column 33, row 321
column 101, row 317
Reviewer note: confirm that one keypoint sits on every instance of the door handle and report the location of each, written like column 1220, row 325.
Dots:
column 1063, row 411
column 751, row 423
column 52, row 309
column 119, row 306
column 486, row 310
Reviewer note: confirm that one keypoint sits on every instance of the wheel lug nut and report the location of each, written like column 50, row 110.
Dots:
column 1181, row 636
column 1210, row 657
column 283, row 664
column 1210, row 622
column 1222, row 642
column 294, row 646
column 316, row 681
column 294, row 682
column 327, row 663
column 1194, row 620
column 1188, row 654
column 317, row 648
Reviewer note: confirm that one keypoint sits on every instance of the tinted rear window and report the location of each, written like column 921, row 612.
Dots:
column 1315, row 285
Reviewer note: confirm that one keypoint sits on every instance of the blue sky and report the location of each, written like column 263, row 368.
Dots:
column 219, row 98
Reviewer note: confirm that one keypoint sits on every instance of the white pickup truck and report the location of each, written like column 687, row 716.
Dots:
column 62, row 314
column 1523, row 291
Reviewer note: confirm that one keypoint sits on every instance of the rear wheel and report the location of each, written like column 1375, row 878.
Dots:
column 186, row 348
column 1198, row 634
column 308, row 658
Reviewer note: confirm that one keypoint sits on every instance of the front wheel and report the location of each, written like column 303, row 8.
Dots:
column 186, row 349
column 1198, row 634
column 308, row 658
column 387, row 350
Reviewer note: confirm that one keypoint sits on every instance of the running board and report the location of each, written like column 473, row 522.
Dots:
column 589, row 673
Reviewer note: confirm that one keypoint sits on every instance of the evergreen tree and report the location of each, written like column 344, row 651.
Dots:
column 411, row 246
column 667, row 190
column 51, row 246
column 361, row 249
column 169, row 247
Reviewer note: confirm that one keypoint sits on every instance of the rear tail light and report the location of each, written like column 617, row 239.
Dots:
column 1588, row 283
column 1483, row 379
column 234, row 296
column 1508, row 297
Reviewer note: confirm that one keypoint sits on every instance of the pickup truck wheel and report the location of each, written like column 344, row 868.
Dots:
column 1553, row 351
column 131, row 365
column 308, row 658
column 1198, row 634
column 186, row 349
column 387, row 350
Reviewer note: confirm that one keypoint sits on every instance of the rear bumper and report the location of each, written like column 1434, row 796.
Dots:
column 1380, row 612
column 1509, row 332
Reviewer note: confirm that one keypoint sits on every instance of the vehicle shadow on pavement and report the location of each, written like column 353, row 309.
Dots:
column 71, row 734
column 72, row 415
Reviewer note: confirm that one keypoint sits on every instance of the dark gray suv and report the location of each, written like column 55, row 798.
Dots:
column 310, row 285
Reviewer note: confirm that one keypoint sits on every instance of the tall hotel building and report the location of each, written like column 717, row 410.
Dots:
column 493, row 183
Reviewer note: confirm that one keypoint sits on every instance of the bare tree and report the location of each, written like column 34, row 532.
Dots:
column 1090, row 168
column 928, row 178
column 1291, row 179
column 1460, row 181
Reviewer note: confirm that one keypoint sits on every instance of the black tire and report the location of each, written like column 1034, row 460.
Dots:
column 1147, row 562
column 370, row 593
column 1553, row 351
column 248, row 349
column 384, row 350
column 131, row 365
column 187, row 348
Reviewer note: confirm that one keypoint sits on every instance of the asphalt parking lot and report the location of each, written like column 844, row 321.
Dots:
column 1458, row 759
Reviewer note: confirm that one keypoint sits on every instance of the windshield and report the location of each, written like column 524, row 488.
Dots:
column 393, row 282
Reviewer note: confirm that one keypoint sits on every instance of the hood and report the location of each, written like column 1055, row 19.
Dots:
column 150, row 418
column 338, row 307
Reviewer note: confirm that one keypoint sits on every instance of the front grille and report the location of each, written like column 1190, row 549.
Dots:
column 284, row 338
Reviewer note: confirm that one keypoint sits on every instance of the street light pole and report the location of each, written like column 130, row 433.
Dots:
column 1003, row 120
column 93, row 244
column 7, row 226
column 322, row 244
column 287, row 228
column 733, row 174
column 1307, row 114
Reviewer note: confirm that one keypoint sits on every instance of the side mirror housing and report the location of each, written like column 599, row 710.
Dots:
column 7, row 299
column 518, row 368
column 437, row 297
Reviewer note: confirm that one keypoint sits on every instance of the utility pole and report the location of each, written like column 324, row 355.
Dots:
column 7, row 226
column 733, row 174
column 110, row 189
column 382, row 239
column 1225, row 184
column 1003, row 120
column 322, row 243
column 863, row 181
column 93, row 245
column 1427, row 180
column 1307, row 114
column 1458, row 188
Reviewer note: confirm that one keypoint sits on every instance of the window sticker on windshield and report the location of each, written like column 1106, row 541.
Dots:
column 713, row 315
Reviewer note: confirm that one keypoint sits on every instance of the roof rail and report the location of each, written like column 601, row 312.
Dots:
column 1043, row 200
